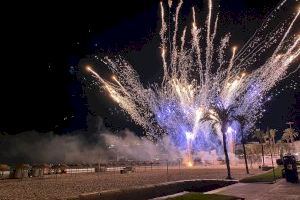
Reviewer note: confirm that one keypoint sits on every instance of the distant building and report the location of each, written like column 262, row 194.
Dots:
column 75, row 169
column 4, row 171
column 40, row 170
column 21, row 171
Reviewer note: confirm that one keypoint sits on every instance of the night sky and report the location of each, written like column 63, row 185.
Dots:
column 42, row 85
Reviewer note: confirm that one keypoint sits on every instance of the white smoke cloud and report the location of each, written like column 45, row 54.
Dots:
column 82, row 147
column 131, row 146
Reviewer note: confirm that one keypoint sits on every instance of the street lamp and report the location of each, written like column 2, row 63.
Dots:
column 290, row 123
column 269, row 135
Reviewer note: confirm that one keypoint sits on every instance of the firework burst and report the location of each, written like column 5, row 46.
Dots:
column 198, row 80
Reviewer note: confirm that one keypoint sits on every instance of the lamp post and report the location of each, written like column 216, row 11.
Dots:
column 290, row 123
column 272, row 156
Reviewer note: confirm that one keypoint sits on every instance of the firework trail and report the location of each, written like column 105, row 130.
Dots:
column 196, row 81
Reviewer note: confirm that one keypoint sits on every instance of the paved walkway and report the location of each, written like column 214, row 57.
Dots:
column 280, row 190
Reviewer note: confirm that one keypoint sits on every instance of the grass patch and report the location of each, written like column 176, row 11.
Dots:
column 265, row 177
column 200, row 196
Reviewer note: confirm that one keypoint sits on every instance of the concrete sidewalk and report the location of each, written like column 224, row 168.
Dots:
column 280, row 190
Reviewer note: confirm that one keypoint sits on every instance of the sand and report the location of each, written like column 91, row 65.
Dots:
column 67, row 185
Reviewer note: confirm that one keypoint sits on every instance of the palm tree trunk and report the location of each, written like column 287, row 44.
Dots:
column 263, row 154
column 226, row 152
column 245, row 157
column 245, row 154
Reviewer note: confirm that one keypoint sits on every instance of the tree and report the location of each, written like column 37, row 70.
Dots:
column 267, row 139
column 273, row 135
column 289, row 136
column 242, row 121
column 270, row 139
column 223, row 117
column 259, row 135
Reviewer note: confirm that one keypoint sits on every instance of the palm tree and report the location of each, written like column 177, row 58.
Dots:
column 259, row 135
column 267, row 140
column 289, row 136
column 273, row 135
column 242, row 120
column 223, row 117
column 270, row 138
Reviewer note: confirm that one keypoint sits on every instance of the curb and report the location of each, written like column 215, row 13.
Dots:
column 156, row 190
